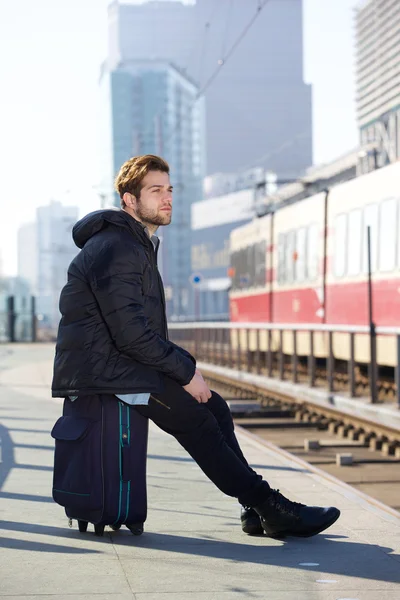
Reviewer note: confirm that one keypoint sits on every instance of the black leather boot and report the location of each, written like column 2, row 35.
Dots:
column 281, row 517
column 251, row 522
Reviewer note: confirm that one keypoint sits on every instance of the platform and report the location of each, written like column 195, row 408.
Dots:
column 193, row 547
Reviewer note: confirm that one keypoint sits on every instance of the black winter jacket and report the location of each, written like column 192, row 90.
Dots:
column 113, row 336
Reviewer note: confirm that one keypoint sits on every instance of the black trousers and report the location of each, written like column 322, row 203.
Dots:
column 206, row 431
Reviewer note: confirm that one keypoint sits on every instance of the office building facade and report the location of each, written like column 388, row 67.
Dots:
column 153, row 109
column 378, row 80
column 258, row 107
column 55, row 251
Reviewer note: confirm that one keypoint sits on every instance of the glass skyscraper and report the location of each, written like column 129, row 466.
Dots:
column 151, row 107
column 258, row 107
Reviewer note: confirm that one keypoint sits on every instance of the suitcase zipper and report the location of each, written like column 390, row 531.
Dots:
column 128, row 426
column 102, row 458
column 120, row 463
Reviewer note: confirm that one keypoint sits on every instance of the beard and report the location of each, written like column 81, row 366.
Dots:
column 149, row 216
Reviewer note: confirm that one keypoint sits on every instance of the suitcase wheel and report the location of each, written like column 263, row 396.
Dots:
column 135, row 528
column 99, row 530
column 116, row 527
column 83, row 525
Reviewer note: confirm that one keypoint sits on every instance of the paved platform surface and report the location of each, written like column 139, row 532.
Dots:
column 193, row 547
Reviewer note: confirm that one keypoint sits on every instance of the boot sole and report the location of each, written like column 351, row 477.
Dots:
column 253, row 529
column 283, row 534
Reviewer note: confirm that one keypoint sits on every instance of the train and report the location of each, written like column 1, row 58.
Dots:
column 307, row 263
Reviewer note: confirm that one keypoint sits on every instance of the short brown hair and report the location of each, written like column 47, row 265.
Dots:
column 132, row 173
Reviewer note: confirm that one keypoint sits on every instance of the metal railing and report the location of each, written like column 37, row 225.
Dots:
column 18, row 325
column 239, row 346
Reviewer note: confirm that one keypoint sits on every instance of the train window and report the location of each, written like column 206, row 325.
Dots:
column 387, row 234
column 290, row 255
column 260, row 264
column 354, row 242
column 251, row 265
column 340, row 245
column 371, row 220
column 281, row 258
column 300, row 264
column 312, row 252
column 244, row 269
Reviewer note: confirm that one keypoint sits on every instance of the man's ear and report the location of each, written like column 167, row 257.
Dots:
column 129, row 200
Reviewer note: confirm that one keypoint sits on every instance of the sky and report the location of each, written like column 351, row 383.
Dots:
column 50, row 54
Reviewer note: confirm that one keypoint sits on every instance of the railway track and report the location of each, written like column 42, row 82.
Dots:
column 323, row 437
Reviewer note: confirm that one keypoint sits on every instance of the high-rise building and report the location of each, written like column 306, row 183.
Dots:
column 378, row 80
column 258, row 108
column 55, row 251
column 153, row 109
column 27, row 255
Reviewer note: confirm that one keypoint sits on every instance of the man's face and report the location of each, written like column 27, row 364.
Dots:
column 154, row 205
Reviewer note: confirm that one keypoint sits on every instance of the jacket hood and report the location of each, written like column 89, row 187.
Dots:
column 95, row 221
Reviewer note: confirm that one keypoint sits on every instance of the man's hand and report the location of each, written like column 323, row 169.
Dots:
column 198, row 388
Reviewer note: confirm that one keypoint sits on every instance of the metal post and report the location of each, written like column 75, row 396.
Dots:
column 230, row 353
column 352, row 379
column 331, row 364
column 196, row 342
column 33, row 319
column 258, row 353
column 221, row 346
column 294, row 358
column 281, row 357
column 11, row 317
column 249, row 365
column 238, row 351
column 372, row 331
column 311, row 361
column 197, row 304
column 398, row 371
column 269, row 356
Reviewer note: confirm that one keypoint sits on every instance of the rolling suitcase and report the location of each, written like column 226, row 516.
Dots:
column 100, row 463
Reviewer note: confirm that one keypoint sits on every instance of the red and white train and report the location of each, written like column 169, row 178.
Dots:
column 308, row 263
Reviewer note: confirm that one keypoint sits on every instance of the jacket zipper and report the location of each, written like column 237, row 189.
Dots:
column 159, row 402
column 153, row 262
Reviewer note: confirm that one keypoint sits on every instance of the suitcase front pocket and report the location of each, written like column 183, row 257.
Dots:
column 77, row 479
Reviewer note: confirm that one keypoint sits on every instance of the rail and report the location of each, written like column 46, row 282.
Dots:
column 18, row 325
column 222, row 343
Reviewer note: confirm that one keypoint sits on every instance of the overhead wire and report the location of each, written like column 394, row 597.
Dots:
column 222, row 62
column 228, row 22
column 237, row 42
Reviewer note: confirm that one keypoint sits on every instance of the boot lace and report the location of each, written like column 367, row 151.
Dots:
column 285, row 505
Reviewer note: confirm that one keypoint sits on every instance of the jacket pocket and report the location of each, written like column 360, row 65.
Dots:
column 77, row 478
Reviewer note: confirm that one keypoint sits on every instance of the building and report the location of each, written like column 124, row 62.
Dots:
column 55, row 251
column 258, row 108
column 153, row 109
column 378, row 80
column 212, row 222
column 27, row 255
column 316, row 179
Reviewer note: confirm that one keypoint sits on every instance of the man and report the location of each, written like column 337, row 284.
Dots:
column 113, row 340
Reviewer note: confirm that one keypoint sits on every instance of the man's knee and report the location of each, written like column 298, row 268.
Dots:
column 220, row 409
